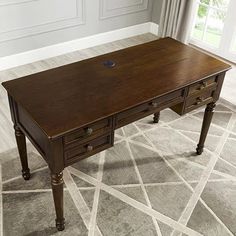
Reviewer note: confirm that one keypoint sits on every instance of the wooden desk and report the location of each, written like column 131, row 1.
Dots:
column 71, row 112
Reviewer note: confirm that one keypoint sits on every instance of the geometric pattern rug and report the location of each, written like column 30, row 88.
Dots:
column 150, row 183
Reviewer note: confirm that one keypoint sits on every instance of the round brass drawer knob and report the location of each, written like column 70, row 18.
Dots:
column 199, row 100
column 203, row 85
column 89, row 148
column 154, row 104
column 89, row 131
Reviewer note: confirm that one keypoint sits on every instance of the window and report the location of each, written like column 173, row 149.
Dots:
column 214, row 28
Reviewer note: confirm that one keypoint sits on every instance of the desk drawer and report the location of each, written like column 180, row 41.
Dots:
column 90, row 148
column 148, row 108
column 88, row 132
column 202, row 86
column 197, row 101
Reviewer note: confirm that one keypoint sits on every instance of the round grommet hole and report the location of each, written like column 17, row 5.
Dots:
column 109, row 63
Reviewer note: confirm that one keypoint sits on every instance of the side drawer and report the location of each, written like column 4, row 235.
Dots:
column 202, row 86
column 198, row 94
column 88, row 132
column 197, row 101
column 87, row 149
column 148, row 108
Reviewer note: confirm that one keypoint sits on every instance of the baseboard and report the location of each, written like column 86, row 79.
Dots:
column 154, row 28
column 74, row 45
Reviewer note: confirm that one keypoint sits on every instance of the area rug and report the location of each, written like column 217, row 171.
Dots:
column 150, row 183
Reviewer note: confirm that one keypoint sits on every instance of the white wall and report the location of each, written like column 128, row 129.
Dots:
column 156, row 12
column 32, row 24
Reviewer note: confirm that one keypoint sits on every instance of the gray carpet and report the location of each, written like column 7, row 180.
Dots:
column 149, row 183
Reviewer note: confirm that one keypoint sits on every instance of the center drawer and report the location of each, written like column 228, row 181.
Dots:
column 89, row 148
column 149, row 108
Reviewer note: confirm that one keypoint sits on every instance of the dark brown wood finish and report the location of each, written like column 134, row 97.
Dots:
column 20, row 141
column 21, row 144
column 156, row 117
column 209, row 111
column 93, row 91
column 205, row 126
column 70, row 113
column 57, row 190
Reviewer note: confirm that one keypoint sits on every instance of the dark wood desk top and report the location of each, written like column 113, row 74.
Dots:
column 71, row 96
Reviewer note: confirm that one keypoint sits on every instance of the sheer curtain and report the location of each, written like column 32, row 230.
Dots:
column 177, row 18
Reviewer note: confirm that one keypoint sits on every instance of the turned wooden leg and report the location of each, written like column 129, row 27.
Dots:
column 21, row 144
column 209, row 111
column 57, row 189
column 156, row 117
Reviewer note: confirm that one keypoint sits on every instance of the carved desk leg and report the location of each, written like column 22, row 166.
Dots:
column 156, row 117
column 21, row 144
column 57, row 189
column 209, row 111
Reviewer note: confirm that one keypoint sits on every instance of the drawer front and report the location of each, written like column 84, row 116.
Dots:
column 88, row 132
column 87, row 149
column 200, row 100
column 202, row 86
column 131, row 115
column 148, row 108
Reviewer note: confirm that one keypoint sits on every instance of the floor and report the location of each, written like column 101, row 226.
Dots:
column 150, row 183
